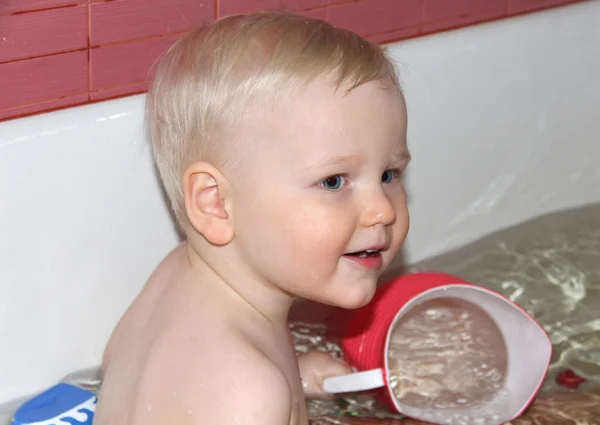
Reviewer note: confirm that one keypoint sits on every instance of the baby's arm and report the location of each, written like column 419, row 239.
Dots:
column 229, row 387
column 314, row 367
column 257, row 395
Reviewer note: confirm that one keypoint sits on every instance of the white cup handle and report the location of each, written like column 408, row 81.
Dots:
column 359, row 381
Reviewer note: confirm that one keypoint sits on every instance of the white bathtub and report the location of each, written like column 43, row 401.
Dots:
column 504, row 124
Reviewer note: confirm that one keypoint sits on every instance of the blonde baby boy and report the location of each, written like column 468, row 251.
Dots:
column 280, row 141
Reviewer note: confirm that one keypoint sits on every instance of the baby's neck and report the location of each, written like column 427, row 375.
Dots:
column 220, row 266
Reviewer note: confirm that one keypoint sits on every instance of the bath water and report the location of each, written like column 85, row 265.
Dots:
column 448, row 355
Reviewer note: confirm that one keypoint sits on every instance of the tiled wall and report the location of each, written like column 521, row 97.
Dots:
column 57, row 53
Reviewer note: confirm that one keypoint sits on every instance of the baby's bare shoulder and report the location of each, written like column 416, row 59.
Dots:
column 230, row 384
column 254, row 392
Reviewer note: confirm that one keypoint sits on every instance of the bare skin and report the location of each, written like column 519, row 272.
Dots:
column 161, row 328
column 207, row 341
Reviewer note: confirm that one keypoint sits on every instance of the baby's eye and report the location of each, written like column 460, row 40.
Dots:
column 389, row 176
column 333, row 182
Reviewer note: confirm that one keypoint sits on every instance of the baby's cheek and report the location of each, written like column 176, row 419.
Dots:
column 401, row 226
column 318, row 242
column 324, row 225
column 315, row 235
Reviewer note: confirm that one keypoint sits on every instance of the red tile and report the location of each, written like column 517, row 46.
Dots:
column 438, row 10
column 320, row 13
column 231, row 7
column 119, row 91
column 40, row 33
column 391, row 36
column 126, row 63
column 35, row 108
column 12, row 6
column 443, row 14
column 332, row 2
column 42, row 79
column 121, row 20
column 521, row 6
column 369, row 17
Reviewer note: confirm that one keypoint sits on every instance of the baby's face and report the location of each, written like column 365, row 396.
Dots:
column 320, row 209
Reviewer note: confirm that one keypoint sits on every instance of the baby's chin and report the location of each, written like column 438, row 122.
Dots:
column 356, row 297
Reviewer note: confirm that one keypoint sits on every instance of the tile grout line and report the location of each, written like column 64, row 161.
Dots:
column 47, row 55
column 25, row 105
column 82, row 49
column 420, row 29
column 60, row 6
column 89, row 50
column 44, row 9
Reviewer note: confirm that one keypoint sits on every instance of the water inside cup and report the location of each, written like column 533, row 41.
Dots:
column 448, row 357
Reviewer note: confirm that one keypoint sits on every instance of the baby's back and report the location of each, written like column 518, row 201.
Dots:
column 185, row 353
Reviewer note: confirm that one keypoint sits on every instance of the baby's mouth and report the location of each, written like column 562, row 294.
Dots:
column 364, row 254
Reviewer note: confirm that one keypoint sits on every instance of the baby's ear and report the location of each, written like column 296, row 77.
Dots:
column 207, row 202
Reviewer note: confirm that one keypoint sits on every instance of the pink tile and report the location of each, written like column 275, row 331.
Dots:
column 119, row 91
column 49, row 105
column 40, row 33
column 12, row 6
column 320, row 13
column 521, row 6
column 114, row 21
column 443, row 14
column 368, row 17
column 126, row 63
column 42, row 79
column 391, row 36
column 332, row 2
column 460, row 22
column 438, row 10
column 231, row 7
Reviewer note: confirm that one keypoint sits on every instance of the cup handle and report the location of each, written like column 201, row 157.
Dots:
column 359, row 381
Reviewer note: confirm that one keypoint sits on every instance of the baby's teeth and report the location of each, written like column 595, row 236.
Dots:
column 363, row 254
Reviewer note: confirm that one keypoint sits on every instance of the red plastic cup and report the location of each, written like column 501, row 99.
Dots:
column 365, row 339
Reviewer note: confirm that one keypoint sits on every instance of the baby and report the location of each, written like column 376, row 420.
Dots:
column 281, row 142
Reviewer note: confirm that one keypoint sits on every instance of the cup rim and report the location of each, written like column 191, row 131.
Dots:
column 440, row 288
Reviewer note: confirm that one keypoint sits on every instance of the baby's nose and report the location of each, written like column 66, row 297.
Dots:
column 378, row 210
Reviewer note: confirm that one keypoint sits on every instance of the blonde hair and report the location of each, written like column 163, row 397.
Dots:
column 207, row 79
